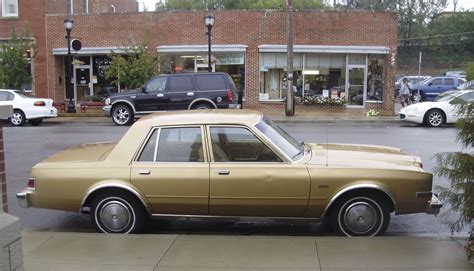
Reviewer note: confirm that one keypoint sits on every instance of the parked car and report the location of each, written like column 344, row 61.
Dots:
column 466, row 86
column 412, row 80
column 173, row 92
column 460, row 74
column 27, row 108
column 432, row 87
column 229, row 163
column 441, row 111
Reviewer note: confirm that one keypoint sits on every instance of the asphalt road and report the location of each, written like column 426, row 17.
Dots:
column 26, row 146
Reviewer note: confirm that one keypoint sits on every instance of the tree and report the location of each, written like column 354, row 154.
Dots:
column 470, row 70
column 458, row 167
column 132, row 68
column 14, row 60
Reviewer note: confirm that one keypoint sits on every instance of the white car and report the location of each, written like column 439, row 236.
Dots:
column 27, row 108
column 436, row 113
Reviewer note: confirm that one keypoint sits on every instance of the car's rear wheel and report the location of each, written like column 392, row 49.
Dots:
column 114, row 212
column 18, row 118
column 201, row 106
column 35, row 122
column 122, row 114
column 434, row 118
column 360, row 216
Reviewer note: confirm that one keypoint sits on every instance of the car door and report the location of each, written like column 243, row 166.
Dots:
column 180, row 92
column 152, row 97
column 435, row 87
column 448, row 84
column 247, row 177
column 172, row 171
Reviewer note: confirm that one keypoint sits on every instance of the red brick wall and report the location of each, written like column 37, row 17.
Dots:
column 251, row 28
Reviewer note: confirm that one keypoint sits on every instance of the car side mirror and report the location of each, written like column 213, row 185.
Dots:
column 430, row 84
column 144, row 89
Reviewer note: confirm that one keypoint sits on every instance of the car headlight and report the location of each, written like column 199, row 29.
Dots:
column 411, row 110
column 107, row 101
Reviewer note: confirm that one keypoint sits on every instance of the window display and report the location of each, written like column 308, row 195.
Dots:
column 375, row 78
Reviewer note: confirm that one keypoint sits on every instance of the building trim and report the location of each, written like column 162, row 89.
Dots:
column 90, row 51
column 277, row 48
column 201, row 48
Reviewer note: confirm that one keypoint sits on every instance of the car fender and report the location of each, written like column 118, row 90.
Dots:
column 201, row 100
column 352, row 187
column 114, row 184
column 124, row 101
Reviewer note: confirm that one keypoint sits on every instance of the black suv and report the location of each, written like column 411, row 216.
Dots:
column 173, row 92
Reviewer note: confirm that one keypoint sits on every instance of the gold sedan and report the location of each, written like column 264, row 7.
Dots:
column 229, row 163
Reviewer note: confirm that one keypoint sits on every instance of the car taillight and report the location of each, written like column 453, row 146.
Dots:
column 230, row 95
column 31, row 183
column 40, row 103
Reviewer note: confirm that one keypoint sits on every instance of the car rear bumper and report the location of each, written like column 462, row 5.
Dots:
column 434, row 205
column 234, row 106
column 24, row 198
column 46, row 112
column 106, row 109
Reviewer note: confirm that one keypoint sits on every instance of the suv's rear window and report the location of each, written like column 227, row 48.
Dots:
column 211, row 82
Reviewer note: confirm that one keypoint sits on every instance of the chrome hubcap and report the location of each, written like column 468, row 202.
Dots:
column 435, row 119
column 115, row 216
column 121, row 115
column 360, row 217
column 16, row 118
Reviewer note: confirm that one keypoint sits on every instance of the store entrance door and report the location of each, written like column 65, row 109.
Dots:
column 203, row 67
column 355, row 86
column 82, row 84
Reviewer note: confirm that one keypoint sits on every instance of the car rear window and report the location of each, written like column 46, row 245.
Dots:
column 211, row 82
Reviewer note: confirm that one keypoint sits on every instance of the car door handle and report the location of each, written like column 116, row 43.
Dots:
column 160, row 95
column 223, row 171
column 190, row 93
column 144, row 172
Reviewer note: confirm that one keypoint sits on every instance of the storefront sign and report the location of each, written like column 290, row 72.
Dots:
column 230, row 59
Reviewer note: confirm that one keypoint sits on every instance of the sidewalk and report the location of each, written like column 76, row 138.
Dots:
column 45, row 250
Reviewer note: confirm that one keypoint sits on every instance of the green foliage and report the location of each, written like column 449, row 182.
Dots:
column 13, row 60
column 132, row 68
column 458, row 167
column 470, row 70
column 236, row 4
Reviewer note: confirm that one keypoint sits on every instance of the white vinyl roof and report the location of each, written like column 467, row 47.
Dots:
column 277, row 48
column 89, row 51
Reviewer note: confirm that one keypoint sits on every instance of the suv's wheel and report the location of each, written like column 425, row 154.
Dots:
column 434, row 118
column 35, row 122
column 201, row 106
column 115, row 212
column 18, row 118
column 360, row 216
column 122, row 114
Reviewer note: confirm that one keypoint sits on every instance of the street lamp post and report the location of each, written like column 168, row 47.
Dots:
column 71, row 108
column 209, row 20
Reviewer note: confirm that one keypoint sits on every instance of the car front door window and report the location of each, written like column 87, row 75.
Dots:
column 156, row 85
column 238, row 144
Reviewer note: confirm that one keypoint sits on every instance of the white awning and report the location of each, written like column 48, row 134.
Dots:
column 277, row 48
column 201, row 48
column 89, row 51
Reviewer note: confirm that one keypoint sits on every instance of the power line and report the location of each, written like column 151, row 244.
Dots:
column 437, row 36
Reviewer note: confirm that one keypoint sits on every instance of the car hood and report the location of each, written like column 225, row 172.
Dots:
column 126, row 93
column 362, row 156
column 423, row 106
column 82, row 153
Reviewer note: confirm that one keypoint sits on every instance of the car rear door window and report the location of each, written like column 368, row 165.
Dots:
column 211, row 82
column 449, row 81
column 238, row 144
column 180, row 84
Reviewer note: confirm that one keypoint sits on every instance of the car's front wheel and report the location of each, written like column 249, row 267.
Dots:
column 114, row 212
column 360, row 216
column 122, row 114
column 18, row 118
column 434, row 118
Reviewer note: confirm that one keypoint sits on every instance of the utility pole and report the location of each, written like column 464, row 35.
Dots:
column 290, row 102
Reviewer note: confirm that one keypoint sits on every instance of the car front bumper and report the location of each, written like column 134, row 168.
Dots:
column 106, row 109
column 410, row 117
column 24, row 198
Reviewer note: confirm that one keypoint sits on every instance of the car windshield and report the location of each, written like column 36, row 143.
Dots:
column 466, row 85
column 24, row 94
column 446, row 96
column 289, row 145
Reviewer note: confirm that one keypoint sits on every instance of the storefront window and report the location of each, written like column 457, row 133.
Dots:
column 375, row 78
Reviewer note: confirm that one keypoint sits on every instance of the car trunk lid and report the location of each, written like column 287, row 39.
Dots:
column 83, row 152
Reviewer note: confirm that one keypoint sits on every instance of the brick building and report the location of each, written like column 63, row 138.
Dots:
column 349, row 54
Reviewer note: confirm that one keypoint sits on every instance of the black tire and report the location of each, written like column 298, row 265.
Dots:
column 117, row 212
column 122, row 115
column 18, row 118
column 35, row 122
column 201, row 106
column 434, row 118
column 360, row 215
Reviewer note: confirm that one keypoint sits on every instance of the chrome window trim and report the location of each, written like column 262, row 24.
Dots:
column 114, row 185
column 359, row 186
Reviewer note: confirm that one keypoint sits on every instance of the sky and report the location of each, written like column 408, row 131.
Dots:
column 466, row 4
